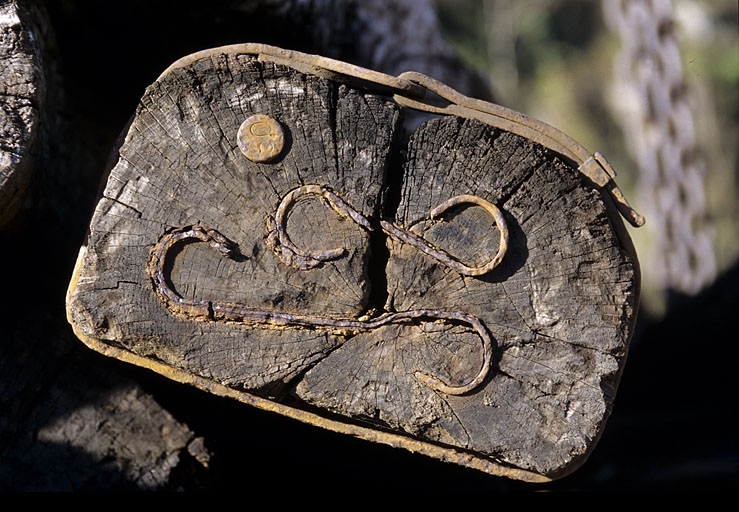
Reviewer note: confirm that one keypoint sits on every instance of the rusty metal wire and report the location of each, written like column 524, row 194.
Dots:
column 211, row 310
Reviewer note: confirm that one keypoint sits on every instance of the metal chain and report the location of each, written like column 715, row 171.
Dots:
column 659, row 131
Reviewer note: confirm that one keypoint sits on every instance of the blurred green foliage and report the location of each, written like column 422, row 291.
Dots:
column 554, row 60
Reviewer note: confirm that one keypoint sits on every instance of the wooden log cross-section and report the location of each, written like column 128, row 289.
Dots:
column 461, row 291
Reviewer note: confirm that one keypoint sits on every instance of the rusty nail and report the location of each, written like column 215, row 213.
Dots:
column 260, row 138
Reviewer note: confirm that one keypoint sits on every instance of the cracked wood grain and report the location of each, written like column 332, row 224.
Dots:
column 22, row 98
column 320, row 310
column 179, row 126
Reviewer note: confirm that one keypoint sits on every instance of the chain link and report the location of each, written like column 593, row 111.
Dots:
column 659, row 131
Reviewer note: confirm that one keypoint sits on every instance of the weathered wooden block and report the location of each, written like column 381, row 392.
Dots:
column 460, row 291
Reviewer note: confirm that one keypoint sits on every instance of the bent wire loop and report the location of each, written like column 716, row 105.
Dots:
column 235, row 312
column 292, row 255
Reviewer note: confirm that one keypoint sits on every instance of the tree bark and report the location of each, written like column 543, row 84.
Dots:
column 22, row 98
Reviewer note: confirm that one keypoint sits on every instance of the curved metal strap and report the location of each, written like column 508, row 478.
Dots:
column 594, row 166
column 411, row 90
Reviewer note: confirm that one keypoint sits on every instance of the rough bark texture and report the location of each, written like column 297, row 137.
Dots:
column 22, row 98
column 561, row 306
